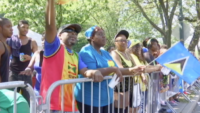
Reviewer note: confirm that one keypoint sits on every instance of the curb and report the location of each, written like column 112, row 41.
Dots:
column 191, row 105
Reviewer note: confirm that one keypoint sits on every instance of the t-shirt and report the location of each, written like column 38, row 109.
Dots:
column 7, row 98
column 59, row 64
column 94, row 60
column 143, row 86
column 149, row 58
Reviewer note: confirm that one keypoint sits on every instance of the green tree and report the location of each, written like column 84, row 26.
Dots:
column 166, row 10
column 111, row 15
column 195, row 20
column 31, row 10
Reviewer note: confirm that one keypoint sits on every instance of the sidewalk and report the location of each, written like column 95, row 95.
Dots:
column 188, row 107
column 197, row 109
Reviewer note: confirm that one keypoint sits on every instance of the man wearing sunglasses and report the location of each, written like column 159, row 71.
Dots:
column 61, row 62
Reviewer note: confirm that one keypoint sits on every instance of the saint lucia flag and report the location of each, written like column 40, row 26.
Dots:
column 181, row 62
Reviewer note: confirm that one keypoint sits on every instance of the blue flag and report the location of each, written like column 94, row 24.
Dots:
column 181, row 62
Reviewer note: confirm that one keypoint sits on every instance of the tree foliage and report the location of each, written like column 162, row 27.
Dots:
column 111, row 15
column 166, row 10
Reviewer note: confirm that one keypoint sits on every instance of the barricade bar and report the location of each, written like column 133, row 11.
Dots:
column 152, row 96
column 7, row 85
column 32, row 98
column 15, row 84
column 46, row 106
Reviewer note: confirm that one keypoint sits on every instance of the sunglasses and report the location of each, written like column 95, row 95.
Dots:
column 68, row 30
column 121, row 41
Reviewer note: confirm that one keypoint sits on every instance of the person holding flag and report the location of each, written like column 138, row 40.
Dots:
column 136, row 51
column 180, row 61
column 150, row 56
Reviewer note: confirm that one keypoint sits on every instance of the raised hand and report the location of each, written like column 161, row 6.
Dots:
column 27, row 72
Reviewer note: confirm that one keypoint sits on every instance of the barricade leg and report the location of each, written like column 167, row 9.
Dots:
column 186, row 97
column 170, row 107
column 22, row 84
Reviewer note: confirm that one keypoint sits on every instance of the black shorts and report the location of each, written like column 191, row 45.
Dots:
column 87, row 108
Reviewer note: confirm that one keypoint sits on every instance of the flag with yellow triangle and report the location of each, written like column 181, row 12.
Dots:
column 179, row 60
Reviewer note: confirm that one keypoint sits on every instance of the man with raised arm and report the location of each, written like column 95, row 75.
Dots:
column 61, row 62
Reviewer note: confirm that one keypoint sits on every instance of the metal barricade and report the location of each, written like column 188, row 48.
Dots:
column 46, row 106
column 16, row 84
column 153, row 95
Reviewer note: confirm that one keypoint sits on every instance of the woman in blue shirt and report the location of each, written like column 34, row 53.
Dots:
column 96, row 58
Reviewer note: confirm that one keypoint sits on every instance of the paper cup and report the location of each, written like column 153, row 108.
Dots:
column 113, row 82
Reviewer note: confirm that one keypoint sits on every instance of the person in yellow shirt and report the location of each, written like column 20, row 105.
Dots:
column 136, row 52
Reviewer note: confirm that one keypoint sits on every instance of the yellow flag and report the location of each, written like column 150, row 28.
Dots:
column 175, row 66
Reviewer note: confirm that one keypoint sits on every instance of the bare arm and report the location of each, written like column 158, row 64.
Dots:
column 50, row 21
column 104, row 71
column 133, row 71
column 2, row 50
column 126, row 71
column 34, row 46
column 96, row 75
column 150, row 68
column 117, row 59
column 109, row 70
column 32, row 62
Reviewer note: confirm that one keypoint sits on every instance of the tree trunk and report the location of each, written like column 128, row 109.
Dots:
column 168, row 40
column 195, row 38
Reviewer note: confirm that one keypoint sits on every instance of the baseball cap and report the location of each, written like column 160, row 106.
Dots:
column 77, row 28
column 123, row 32
column 89, row 32
column 134, row 42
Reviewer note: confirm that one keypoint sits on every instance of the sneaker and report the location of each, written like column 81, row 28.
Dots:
column 173, row 103
column 168, row 111
column 185, row 92
column 163, row 103
column 176, row 100
column 162, row 110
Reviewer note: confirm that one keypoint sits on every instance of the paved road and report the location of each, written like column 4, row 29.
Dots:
column 197, row 109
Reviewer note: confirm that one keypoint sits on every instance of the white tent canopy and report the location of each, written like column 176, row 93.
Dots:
column 35, row 36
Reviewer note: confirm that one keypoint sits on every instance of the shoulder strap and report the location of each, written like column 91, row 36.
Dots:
column 129, row 63
column 122, row 57
column 135, row 58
